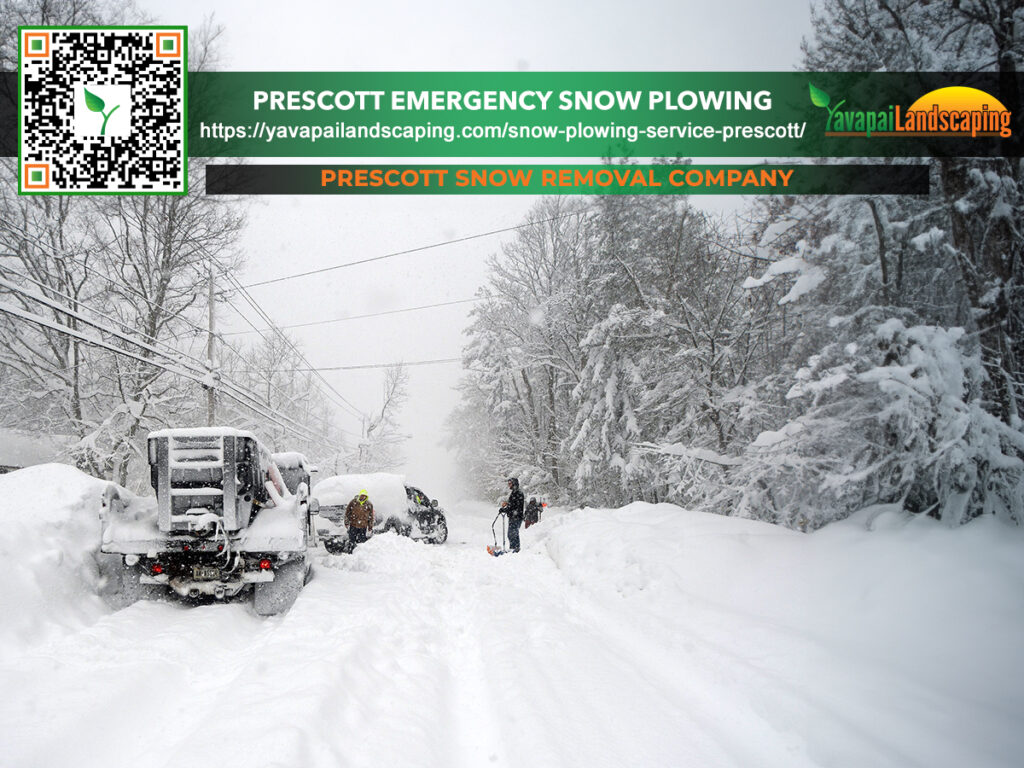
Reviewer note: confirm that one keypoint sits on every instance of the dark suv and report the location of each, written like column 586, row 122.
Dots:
column 426, row 516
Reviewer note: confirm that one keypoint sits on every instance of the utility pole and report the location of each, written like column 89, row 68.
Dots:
column 211, row 389
column 364, row 444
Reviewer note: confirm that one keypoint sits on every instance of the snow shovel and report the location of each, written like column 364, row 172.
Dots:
column 496, row 550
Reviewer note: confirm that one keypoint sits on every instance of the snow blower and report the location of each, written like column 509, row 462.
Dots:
column 496, row 550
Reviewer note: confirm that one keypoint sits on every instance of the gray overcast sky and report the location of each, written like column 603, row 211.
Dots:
column 291, row 234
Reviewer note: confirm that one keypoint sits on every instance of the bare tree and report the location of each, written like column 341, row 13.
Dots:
column 379, row 448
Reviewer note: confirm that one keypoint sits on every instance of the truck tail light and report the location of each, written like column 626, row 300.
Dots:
column 265, row 564
column 157, row 568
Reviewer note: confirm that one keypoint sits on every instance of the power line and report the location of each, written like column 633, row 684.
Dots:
column 376, row 365
column 198, row 328
column 361, row 317
column 81, row 302
column 418, row 249
column 227, row 383
column 200, row 365
column 267, row 319
column 354, row 411
column 198, row 375
column 241, row 357
column 252, row 325
column 57, row 307
column 116, row 283
column 65, row 330
column 317, row 371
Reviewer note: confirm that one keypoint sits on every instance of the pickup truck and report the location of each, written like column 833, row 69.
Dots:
column 223, row 521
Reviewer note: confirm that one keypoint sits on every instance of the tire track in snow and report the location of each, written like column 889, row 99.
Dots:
column 351, row 676
column 477, row 735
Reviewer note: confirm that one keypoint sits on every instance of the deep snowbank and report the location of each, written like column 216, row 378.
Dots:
column 895, row 628
column 49, row 542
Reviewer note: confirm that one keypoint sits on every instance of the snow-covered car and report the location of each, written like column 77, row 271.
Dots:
column 398, row 507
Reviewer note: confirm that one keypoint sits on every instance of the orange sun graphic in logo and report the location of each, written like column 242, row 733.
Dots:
column 957, row 98
column 955, row 111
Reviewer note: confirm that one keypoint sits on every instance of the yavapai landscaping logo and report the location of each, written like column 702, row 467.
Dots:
column 954, row 111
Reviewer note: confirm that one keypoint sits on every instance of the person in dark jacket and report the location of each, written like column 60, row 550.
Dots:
column 359, row 518
column 532, row 512
column 514, row 509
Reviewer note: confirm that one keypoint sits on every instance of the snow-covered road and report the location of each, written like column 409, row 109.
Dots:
column 646, row 636
column 403, row 654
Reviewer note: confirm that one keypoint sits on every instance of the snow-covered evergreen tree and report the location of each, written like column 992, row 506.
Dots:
column 525, row 352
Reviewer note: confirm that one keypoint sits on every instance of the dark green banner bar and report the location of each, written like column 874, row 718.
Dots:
column 566, row 179
column 603, row 114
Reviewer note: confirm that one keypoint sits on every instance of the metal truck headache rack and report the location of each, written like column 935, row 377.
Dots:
column 198, row 472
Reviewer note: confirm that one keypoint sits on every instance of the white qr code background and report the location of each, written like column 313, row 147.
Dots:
column 103, row 110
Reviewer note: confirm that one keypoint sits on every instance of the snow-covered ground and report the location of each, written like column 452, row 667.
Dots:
column 644, row 636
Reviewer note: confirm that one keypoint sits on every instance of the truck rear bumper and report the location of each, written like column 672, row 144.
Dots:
column 219, row 588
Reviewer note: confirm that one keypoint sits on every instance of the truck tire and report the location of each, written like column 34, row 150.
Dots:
column 124, row 588
column 440, row 535
column 277, row 596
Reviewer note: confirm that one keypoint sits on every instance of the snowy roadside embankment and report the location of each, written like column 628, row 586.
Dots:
column 879, row 640
column 49, row 542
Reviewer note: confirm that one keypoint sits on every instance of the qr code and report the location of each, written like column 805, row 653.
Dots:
column 103, row 110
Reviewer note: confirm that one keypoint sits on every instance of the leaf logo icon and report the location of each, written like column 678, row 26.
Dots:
column 96, row 104
column 818, row 96
column 821, row 99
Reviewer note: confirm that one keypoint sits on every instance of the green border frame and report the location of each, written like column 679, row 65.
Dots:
column 184, row 110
